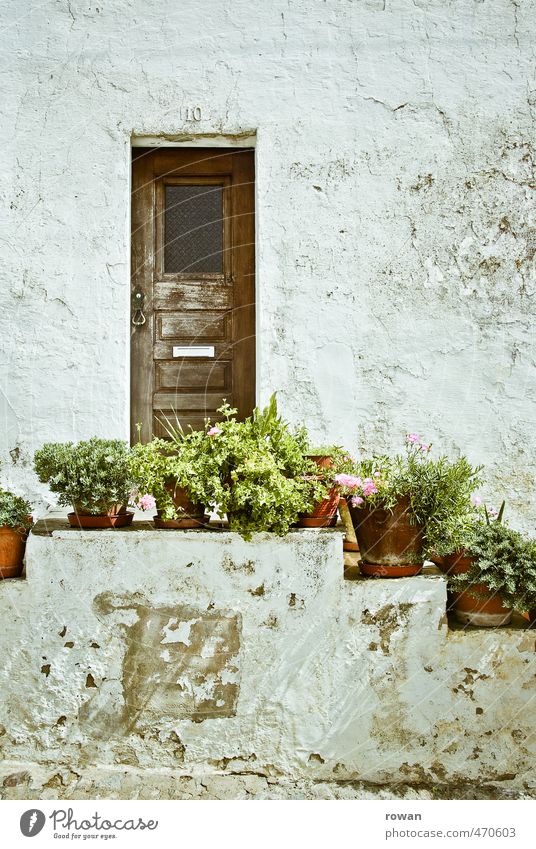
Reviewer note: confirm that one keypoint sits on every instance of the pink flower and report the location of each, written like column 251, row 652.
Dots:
column 476, row 501
column 214, row 431
column 492, row 512
column 146, row 502
column 413, row 437
column 350, row 481
column 425, row 447
column 369, row 487
column 357, row 501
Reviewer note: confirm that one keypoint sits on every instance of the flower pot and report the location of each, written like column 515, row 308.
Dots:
column 112, row 510
column 102, row 520
column 323, row 514
column 456, row 563
column 350, row 541
column 12, row 545
column 323, row 461
column 189, row 514
column 390, row 546
column 485, row 612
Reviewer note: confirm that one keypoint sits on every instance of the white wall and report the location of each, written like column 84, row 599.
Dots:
column 319, row 678
column 396, row 211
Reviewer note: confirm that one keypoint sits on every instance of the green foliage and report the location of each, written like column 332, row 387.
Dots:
column 505, row 561
column 14, row 511
column 254, row 470
column 439, row 493
column 94, row 475
column 180, row 463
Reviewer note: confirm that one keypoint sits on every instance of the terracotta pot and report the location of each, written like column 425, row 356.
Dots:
column 113, row 510
column 316, row 522
column 186, row 508
column 323, row 514
column 104, row 520
column 389, row 544
column 323, row 461
column 531, row 616
column 12, row 545
column 485, row 612
column 187, row 524
column 456, row 563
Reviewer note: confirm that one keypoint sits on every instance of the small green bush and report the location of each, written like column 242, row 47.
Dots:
column 505, row 561
column 14, row 511
column 92, row 475
column 254, row 470
column 439, row 492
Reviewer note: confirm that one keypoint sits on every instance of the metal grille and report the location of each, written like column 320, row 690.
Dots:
column 193, row 229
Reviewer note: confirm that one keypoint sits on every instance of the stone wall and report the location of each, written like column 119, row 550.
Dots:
column 395, row 197
column 203, row 661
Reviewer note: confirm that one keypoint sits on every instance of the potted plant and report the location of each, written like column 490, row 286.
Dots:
column 327, row 460
column 261, row 470
column 93, row 476
column 15, row 523
column 177, row 477
column 404, row 507
column 494, row 573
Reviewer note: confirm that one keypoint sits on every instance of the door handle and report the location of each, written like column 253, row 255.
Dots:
column 138, row 317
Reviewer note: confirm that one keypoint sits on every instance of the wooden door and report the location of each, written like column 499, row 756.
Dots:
column 193, row 286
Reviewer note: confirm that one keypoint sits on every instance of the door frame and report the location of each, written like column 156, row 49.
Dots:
column 246, row 140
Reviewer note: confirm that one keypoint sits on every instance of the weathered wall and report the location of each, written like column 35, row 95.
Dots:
column 396, row 215
column 234, row 658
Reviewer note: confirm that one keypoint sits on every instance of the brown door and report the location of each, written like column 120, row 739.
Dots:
column 193, row 286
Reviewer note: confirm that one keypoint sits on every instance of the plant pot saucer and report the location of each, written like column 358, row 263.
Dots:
column 190, row 523
column 381, row 570
column 317, row 522
column 116, row 520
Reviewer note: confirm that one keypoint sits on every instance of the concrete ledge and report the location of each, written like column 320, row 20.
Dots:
column 33, row 781
column 200, row 654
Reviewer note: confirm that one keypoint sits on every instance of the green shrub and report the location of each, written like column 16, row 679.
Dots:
column 254, row 470
column 439, row 492
column 14, row 511
column 92, row 475
column 505, row 561
column 182, row 463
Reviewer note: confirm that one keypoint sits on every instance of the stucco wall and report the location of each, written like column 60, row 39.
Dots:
column 196, row 654
column 395, row 199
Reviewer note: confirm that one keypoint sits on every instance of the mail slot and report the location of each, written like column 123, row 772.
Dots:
column 193, row 350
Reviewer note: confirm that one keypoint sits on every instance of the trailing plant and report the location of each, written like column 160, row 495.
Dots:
column 14, row 511
column 504, row 561
column 261, row 481
column 93, row 475
column 438, row 491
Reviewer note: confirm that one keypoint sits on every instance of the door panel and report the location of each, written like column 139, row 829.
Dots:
column 193, row 286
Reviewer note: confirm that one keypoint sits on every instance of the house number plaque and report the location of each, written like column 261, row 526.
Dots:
column 191, row 113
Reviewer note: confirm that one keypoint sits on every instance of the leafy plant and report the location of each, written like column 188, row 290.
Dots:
column 93, row 475
column 159, row 466
column 254, row 470
column 14, row 511
column 439, row 491
column 504, row 561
